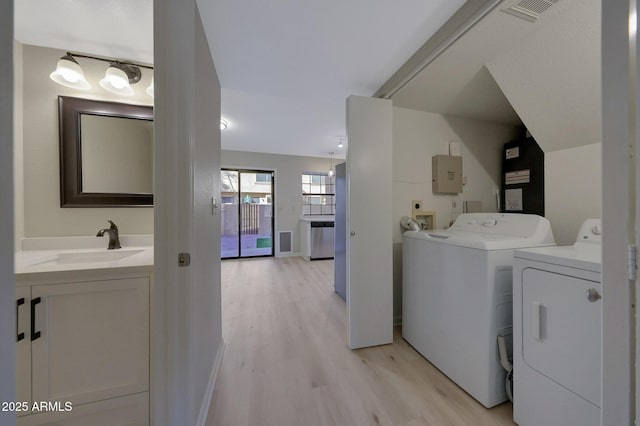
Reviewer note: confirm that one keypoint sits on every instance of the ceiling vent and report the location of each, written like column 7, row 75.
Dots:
column 529, row 10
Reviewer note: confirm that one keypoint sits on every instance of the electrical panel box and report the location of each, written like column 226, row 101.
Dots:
column 447, row 174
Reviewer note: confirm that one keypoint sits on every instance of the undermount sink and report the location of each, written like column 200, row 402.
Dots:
column 87, row 257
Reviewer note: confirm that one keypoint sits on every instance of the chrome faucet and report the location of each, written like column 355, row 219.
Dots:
column 114, row 239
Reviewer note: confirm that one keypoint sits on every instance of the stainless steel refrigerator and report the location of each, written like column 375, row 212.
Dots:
column 340, row 250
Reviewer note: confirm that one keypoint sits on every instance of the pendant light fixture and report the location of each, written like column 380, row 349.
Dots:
column 118, row 78
column 341, row 143
column 331, row 165
column 69, row 73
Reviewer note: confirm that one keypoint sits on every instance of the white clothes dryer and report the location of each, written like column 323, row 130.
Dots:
column 457, row 296
column 557, row 332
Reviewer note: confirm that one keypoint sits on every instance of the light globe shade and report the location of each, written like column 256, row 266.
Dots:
column 150, row 91
column 116, row 81
column 69, row 73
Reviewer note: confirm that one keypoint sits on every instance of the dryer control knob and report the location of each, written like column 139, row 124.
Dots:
column 596, row 230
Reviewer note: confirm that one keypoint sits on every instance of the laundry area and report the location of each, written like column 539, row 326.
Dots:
column 497, row 198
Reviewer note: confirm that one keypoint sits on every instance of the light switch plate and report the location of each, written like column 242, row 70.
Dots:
column 455, row 149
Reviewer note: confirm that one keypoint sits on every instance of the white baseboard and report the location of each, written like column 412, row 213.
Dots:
column 208, row 395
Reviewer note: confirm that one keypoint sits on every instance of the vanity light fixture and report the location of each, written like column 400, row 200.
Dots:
column 150, row 88
column 118, row 78
column 69, row 73
column 223, row 124
column 331, row 165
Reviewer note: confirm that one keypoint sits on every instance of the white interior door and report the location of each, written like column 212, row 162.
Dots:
column 369, row 243
column 187, row 334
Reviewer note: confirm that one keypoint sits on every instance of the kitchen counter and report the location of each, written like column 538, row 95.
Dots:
column 320, row 218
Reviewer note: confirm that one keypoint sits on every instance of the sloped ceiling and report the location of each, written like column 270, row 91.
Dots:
column 552, row 79
column 545, row 75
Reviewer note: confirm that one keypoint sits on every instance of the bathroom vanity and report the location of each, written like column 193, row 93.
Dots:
column 83, row 332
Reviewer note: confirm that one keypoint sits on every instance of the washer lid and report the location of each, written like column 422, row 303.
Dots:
column 492, row 231
column 476, row 240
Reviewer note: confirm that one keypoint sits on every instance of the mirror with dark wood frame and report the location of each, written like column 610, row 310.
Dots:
column 106, row 153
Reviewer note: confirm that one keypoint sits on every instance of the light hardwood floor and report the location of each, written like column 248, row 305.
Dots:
column 287, row 362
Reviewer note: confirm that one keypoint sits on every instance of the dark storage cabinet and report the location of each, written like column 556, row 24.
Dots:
column 522, row 177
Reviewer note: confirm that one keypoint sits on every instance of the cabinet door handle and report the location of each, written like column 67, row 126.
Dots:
column 19, row 302
column 536, row 308
column 34, row 334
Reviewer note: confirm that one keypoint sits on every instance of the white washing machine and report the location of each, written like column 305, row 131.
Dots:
column 557, row 332
column 456, row 295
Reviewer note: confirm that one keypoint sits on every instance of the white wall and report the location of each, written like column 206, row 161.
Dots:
column 417, row 136
column 18, row 149
column 573, row 189
column 288, row 184
column 42, row 213
column 7, row 279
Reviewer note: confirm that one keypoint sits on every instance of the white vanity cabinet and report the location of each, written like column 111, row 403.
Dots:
column 86, row 342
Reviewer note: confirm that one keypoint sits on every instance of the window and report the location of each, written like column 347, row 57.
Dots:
column 318, row 194
column 263, row 178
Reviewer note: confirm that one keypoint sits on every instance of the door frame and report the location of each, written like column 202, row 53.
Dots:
column 618, row 215
column 7, row 236
column 241, row 170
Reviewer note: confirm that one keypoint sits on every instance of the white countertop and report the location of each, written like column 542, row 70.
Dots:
column 89, row 254
column 46, row 261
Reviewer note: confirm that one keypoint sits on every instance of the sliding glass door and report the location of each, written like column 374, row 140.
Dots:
column 247, row 213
